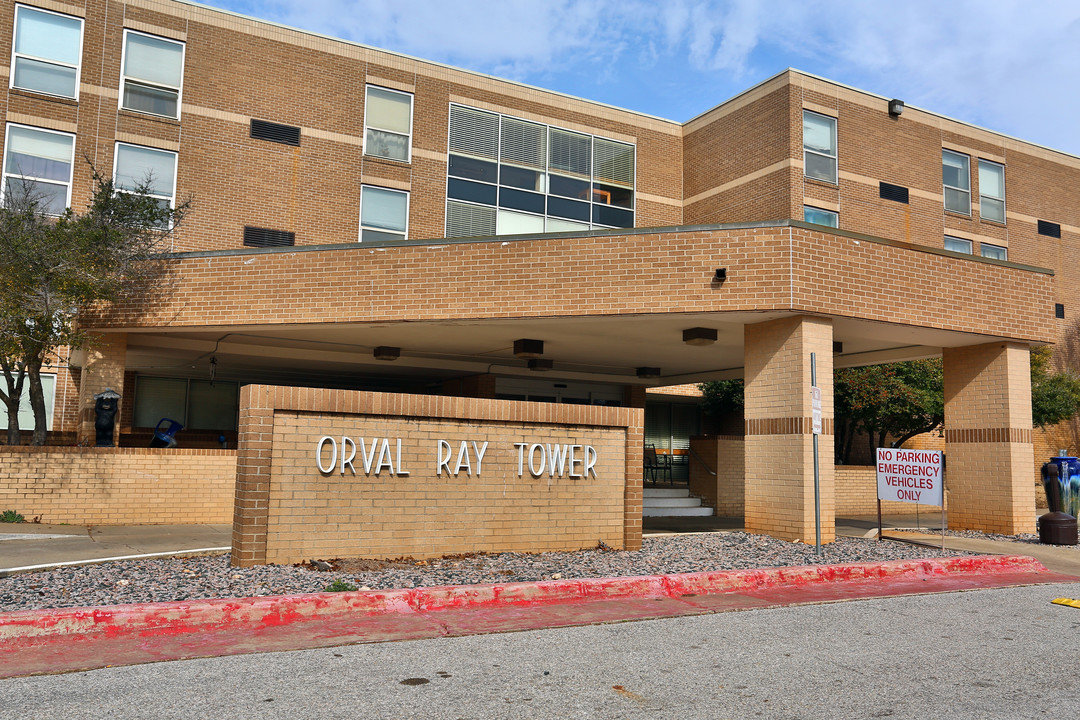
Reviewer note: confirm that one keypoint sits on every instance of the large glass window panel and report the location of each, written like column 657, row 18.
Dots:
column 570, row 153
column 819, row 216
column 38, row 163
column 819, row 147
column 523, row 143
column 613, row 162
column 558, row 225
column 47, row 50
column 26, row 412
column 157, row 398
column 612, row 216
column 388, row 117
column 472, row 191
column 613, row 195
column 153, row 73
column 473, row 169
column 474, row 132
column 384, row 214
column 991, row 191
column 521, row 200
column 465, row 220
column 571, row 209
column 997, row 252
column 212, row 406
column 136, row 164
column 521, row 178
column 956, row 244
column 569, row 187
column 956, row 178
column 513, row 223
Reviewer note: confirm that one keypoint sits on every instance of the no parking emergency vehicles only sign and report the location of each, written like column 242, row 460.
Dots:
column 912, row 476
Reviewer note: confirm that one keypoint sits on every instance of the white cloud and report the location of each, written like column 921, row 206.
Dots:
column 1009, row 65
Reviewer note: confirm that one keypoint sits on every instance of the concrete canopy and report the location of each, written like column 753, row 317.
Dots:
column 604, row 303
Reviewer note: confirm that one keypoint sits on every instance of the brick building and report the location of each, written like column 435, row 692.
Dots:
column 369, row 221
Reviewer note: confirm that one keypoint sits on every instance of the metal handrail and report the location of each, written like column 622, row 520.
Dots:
column 703, row 463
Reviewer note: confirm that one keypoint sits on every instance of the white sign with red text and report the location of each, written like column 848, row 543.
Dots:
column 912, row 476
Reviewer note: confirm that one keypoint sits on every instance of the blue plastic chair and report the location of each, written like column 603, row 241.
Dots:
column 164, row 438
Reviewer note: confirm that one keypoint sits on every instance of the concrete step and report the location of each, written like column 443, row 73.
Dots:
column 677, row 512
column 673, row 502
column 651, row 492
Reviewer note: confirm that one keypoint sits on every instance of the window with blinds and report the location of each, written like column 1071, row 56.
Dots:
column 153, row 74
column 388, row 123
column 196, row 404
column 507, row 175
column 37, row 165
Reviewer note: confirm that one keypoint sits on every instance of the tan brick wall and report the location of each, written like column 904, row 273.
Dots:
column 723, row 455
column 779, row 495
column 287, row 510
column 988, row 437
column 856, row 494
column 118, row 486
column 808, row 271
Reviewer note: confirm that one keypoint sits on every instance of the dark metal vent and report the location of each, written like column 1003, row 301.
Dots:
column 1059, row 310
column 896, row 193
column 1050, row 229
column 263, row 237
column 275, row 132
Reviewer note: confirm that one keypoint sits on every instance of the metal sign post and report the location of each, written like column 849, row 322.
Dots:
column 815, row 411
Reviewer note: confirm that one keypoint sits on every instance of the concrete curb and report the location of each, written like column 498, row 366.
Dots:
column 35, row 628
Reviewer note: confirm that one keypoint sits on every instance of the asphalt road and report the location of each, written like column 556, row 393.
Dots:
column 1005, row 653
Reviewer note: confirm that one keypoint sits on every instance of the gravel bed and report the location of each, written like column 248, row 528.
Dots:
column 168, row 579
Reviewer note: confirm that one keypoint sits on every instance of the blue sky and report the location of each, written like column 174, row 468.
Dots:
column 1009, row 66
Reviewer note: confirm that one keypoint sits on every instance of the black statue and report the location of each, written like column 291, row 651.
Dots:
column 105, row 406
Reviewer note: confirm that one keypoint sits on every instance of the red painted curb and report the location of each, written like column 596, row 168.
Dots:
column 37, row 628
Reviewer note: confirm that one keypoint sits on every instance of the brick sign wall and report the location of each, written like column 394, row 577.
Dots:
column 333, row 473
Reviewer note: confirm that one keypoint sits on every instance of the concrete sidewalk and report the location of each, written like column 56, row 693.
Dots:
column 30, row 545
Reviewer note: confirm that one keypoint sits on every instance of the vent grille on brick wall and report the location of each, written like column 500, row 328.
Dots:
column 1050, row 229
column 896, row 193
column 263, row 237
column 275, row 132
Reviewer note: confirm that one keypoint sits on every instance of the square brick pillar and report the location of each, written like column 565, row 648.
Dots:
column 779, row 494
column 989, row 460
column 103, row 368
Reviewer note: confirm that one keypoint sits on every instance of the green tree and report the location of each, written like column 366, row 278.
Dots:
column 900, row 400
column 1055, row 396
column 50, row 267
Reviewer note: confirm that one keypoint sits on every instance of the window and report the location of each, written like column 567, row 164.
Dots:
column 959, row 245
column 153, row 74
column 991, row 191
column 384, row 214
column 46, row 52
column 26, row 413
column 996, row 252
column 38, row 163
column 196, row 404
column 388, row 121
column 512, row 176
column 819, row 146
column 819, row 216
column 136, row 165
column 956, row 177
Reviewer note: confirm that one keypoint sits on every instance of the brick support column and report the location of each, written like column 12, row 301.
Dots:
column 634, row 396
column 476, row 386
column 779, row 493
column 103, row 368
column 988, row 438
column 253, row 466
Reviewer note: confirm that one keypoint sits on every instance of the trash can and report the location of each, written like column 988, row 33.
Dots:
column 1061, row 480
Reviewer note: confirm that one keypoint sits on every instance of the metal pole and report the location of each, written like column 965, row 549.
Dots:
column 817, row 476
